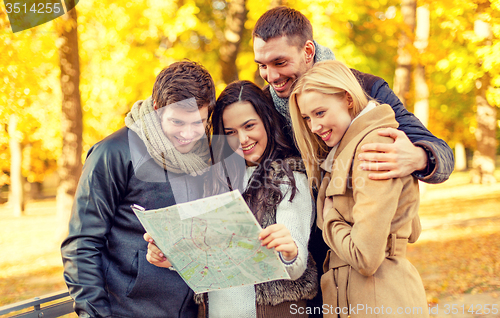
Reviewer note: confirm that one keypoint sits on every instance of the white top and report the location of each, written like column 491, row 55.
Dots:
column 298, row 218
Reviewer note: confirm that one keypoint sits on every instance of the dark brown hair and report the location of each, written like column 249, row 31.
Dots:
column 284, row 21
column 279, row 146
column 184, row 80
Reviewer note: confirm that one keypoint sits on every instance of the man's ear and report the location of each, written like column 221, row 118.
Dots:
column 309, row 51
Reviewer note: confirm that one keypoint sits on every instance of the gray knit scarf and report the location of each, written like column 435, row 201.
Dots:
column 281, row 104
column 144, row 120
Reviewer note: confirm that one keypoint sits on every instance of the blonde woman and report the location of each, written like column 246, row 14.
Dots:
column 367, row 224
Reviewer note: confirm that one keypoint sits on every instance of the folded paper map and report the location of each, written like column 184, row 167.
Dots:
column 213, row 242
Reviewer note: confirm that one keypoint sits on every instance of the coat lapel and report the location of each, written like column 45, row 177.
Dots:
column 346, row 151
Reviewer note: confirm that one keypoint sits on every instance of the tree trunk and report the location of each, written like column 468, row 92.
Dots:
column 402, row 77
column 235, row 25
column 421, row 88
column 483, row 162
column 70, row 162
column 421, row 95
column 16, row 194
column 460, row 157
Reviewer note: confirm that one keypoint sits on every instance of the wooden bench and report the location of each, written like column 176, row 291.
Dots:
column 60, row 304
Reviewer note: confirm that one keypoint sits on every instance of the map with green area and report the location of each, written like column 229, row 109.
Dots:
column 216, row 248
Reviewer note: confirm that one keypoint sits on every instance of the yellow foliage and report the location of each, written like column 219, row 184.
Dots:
column 123, row 46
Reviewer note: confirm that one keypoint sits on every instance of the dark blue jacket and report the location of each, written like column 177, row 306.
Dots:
column 104, row 255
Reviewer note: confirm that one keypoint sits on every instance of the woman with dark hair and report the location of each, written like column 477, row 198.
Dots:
column 260, row 140
column 275, row 188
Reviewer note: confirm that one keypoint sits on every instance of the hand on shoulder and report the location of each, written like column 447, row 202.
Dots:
column 398, row 159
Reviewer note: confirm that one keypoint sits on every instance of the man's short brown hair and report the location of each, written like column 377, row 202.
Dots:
column 284, row 21
column 184, row 80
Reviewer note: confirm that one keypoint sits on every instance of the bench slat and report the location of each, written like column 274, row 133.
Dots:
column 54, row 310
column 51, row 311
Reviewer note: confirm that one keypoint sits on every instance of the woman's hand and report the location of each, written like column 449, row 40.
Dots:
column 278, row 236
column 155, row 256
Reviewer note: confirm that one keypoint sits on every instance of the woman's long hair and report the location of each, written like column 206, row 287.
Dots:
column 279, row 147
column 330, row 78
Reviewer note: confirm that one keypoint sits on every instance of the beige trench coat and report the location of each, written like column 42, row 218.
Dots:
column 366, row 270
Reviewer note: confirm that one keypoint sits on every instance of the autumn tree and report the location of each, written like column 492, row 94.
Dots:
column 467, row 76
column 70, row 163
column 402, row 77
column 27, row 97
column 422, row 29
column 486, row 113
column 233, row 33
column 16, row 193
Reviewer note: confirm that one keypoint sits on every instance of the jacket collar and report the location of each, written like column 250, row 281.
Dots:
column 381, row 116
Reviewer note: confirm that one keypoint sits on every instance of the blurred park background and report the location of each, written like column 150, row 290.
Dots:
column 68, row 83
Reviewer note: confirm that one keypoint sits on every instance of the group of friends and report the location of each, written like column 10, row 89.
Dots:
column 331, row 166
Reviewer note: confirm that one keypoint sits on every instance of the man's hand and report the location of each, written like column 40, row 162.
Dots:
column 398, row 159
column 278, row 236
column 155, row 256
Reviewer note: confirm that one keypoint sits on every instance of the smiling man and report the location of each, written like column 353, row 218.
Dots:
column 284, row 50
column 183, row 123
column 156, row 161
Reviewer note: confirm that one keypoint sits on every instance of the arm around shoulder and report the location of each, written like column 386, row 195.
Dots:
column 440, row 160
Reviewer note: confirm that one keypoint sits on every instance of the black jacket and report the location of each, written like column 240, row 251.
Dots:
column 104, row 255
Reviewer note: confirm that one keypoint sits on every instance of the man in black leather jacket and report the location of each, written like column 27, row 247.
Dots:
column 104, row 255
column 284, row 50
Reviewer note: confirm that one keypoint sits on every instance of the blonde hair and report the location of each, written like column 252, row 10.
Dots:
column 330, row 78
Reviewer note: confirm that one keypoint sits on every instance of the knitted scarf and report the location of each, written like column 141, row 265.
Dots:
column 145, row 122
column 281, row 104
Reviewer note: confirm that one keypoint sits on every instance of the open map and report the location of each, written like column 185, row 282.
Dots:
column 213, row 242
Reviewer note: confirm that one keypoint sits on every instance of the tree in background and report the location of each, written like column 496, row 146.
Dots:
column 422, row 29
column 468, row 72
column 16, row 193
column 233, row 33
column 70, row 162
column 403, row 74
column 124, row 45
column 28, row 74
column 483, row 162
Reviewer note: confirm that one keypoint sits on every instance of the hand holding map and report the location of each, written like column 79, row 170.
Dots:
column 213, row 242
